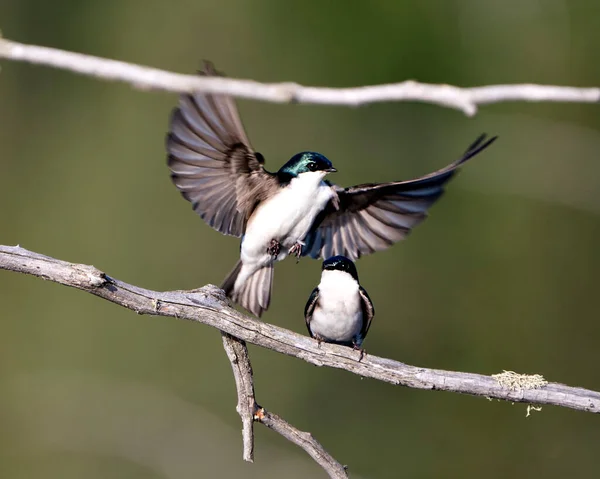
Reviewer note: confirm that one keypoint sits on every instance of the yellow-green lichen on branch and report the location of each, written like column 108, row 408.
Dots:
column 515, row 381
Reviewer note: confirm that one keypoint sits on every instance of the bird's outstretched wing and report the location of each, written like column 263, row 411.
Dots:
column 371, row 217
column 212, row 162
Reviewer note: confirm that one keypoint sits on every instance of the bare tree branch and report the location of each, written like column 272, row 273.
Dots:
column 463, row 99
column 208, row 305
column 250, row 411
column 237, row 352
column 305, row 441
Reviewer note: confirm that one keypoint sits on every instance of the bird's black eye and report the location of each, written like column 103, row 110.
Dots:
column 312, row 166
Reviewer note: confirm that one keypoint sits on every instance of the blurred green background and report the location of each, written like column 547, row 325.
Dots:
column 504, row 275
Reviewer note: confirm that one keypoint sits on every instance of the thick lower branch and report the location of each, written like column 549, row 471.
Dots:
column 207, row 305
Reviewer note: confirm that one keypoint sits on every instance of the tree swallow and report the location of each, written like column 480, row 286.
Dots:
column 292, row 211
column 339, row 310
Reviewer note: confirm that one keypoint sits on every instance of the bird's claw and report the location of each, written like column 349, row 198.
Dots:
column 296, row 250
column 363, row 352
column 274, row 248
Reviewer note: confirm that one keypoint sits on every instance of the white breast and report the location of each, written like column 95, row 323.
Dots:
column 338, row 314
column 286, row 217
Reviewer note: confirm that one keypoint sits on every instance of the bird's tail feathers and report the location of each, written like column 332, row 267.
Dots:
column 253, row 294
column 229, row 281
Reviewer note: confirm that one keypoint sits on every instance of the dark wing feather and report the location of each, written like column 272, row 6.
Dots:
column 310, row 308
column 212, row 162
column 371, row 217
column 368, row 311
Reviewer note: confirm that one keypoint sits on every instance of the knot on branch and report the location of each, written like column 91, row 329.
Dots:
column 259, row 413
column 90, row 275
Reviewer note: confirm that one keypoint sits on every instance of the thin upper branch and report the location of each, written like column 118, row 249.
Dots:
column 463, row 99
column 208, row 305
column 249, row 411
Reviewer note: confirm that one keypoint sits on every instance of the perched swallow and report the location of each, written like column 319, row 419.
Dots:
column 292, row 211
column 339, row 310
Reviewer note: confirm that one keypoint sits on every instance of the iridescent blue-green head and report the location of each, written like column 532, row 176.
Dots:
column 340, row 263
column 306, row 162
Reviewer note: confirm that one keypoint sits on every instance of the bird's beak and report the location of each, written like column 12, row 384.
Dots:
column 331, row 170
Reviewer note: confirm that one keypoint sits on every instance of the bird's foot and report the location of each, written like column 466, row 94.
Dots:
column 363, row 352
column 319, row 339
column 296, row 250
column 274, row 248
